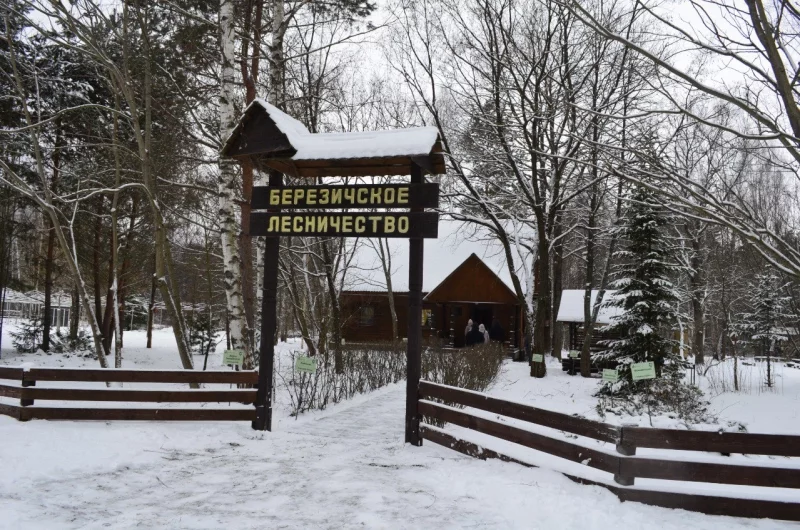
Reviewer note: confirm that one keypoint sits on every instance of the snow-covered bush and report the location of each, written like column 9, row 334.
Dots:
column 368, row 367
column 472, row 368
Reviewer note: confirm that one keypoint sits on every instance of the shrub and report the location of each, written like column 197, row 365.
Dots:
column 368, row 367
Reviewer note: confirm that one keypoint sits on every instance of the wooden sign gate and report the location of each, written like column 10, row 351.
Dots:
column 270, row 140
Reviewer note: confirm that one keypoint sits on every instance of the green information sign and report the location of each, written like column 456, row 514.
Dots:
column 233, row 357
column 611, row 376
column 640, row 371
column 574, row 354
column 537, row 358
column 306, row 364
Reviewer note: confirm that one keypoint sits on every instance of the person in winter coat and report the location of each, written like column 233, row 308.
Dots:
column 496, row 333
column 485, row 333
column 475, row 336
column 467, row 333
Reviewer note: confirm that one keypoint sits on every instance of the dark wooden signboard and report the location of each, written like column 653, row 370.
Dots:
column 355, row 224
column 347, row 196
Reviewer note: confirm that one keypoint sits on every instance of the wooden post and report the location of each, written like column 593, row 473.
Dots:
column 623, row 476
column 451, row 324
column 414, row 351
column 269, row 324
column 27, row 381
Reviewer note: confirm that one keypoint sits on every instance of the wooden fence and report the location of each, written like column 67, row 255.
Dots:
column 28, row 394
column 623, row 464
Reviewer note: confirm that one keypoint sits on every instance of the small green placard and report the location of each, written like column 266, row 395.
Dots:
column 611, row 376
column 306, row 364
column 537, row 358
column 640, row 371
column 233, row 357
column 574, row 354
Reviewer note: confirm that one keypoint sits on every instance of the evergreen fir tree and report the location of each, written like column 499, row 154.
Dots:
column 645, row 292
column 647, row 298
column 29, row 337
column 761, row 324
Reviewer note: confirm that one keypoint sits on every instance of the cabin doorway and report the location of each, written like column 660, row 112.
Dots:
column 482, row 314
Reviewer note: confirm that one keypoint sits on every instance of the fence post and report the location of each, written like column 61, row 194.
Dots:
column 27, row 381
column 625, row 448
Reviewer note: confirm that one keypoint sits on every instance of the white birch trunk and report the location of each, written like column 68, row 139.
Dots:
column 228, row 220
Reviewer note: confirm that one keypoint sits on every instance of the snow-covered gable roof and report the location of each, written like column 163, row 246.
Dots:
column 456, row 242
column 571, row 307
column 415, row 141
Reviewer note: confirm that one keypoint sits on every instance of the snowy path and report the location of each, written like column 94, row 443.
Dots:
column 344, row 468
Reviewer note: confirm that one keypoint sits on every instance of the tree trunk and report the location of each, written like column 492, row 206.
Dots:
column 150, row 310
column 229, row 226
column 541, row 327
column 74, row 316
column 48, row 287
column 558, row 274
column 697, row 285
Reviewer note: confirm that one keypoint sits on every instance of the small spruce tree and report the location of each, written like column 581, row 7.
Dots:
column 761, row 324
column 29, row 337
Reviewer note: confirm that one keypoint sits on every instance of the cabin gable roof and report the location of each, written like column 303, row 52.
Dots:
column 472, row 281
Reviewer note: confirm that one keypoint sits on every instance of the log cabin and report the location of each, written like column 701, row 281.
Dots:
column 465, row 277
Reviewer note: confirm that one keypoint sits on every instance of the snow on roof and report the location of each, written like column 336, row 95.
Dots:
column 571, row 308
column 57, row 298
column 457, row 241
column 315, row 146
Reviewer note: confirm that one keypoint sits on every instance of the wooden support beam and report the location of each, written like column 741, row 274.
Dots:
column 414, row 345
column 269, row 325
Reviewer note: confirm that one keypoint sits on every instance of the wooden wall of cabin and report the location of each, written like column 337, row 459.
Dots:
column 359, row 327
column 455, row 315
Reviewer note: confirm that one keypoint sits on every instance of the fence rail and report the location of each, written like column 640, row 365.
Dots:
column 623, row 464
column 28, row 394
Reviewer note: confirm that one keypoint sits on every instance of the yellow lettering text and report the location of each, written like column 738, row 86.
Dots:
column 311, row 196
column 274, row 224
column 402, row 196
column 347, row 223
column 402, row 224
column 274, row 196
column 388, row 196
column 324, row 196
column 335, row 223
column 336, row 196
column 286, row 224
column 388, row 225
column 375, row 220
column 375, row 196
column 360, row 222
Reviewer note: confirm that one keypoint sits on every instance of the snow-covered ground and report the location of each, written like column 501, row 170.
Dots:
column 345, row 467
